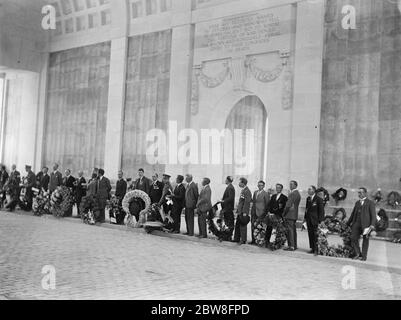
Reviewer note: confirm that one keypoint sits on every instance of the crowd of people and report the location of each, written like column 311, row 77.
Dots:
column 187, row 197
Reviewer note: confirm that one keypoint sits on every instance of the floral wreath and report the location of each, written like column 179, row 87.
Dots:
column 393, row 199
column 130, row 220
column 41, row 204
column 397, row 237
column 61, row 201
column 340, row 194
column 220, row 230
column 259, row 232
column 88, row 208
column 281, row 231
column 334, row 225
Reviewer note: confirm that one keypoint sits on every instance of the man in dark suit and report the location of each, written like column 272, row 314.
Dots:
column 80, row 190
column 13, row 187
column 156, row 189
column 227, row 203
column 142, row 183
column 121, row 187
column 69, row 182
column 203, row 206
column 260, row 203
column 244, row 205
column 167, row 191
column 29, row 183
column 43, row 179
column 290, row 216
column 56, row 179
column 191, row 199
column 275, row 209
column 103, row 189
column 178, row 198
column 314, row 214
column 362, row 222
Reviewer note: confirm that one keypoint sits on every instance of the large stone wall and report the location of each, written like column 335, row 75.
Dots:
column 361, row 111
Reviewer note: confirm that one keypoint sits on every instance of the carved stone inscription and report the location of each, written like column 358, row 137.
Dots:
column 240, row 33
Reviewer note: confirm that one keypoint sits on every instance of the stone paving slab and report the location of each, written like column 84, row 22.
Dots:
column 114, row 263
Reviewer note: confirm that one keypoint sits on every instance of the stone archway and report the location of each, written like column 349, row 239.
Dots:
column 248, row 113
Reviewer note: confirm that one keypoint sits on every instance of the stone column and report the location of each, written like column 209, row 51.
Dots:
column 41, row 115
column 304, row 166
column 180, row 77
column 117, row 77
column 115, row 108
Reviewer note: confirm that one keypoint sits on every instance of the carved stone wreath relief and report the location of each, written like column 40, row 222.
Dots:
column 238, row 70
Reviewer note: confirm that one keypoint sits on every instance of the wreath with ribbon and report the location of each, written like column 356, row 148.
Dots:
column 217, row 226
column 61, row 201
column 89, row 208
column 135, row 210
column 41, row 204
column 334, row 225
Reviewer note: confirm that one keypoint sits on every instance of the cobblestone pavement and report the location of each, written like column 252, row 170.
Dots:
column 102, row 263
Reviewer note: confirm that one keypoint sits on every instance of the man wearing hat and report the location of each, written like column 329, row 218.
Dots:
column 30, row 182
column 178, row 198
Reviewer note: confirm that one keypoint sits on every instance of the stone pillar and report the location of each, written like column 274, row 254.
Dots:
column 305, row 142
column 117, row 77
column 41, row 115
column 180, row 76
column 115, row 109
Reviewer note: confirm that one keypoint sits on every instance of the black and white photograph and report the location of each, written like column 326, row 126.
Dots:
column 200, row 150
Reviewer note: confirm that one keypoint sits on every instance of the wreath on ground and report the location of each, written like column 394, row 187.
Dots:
column 41, row 204
column 334, row 225
column 136, row 204
column 279, row 228
column 217, row 226
column 397, row 237
column 61, row 201
column 89, row 208
column 154, row 221
column 116, row 211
